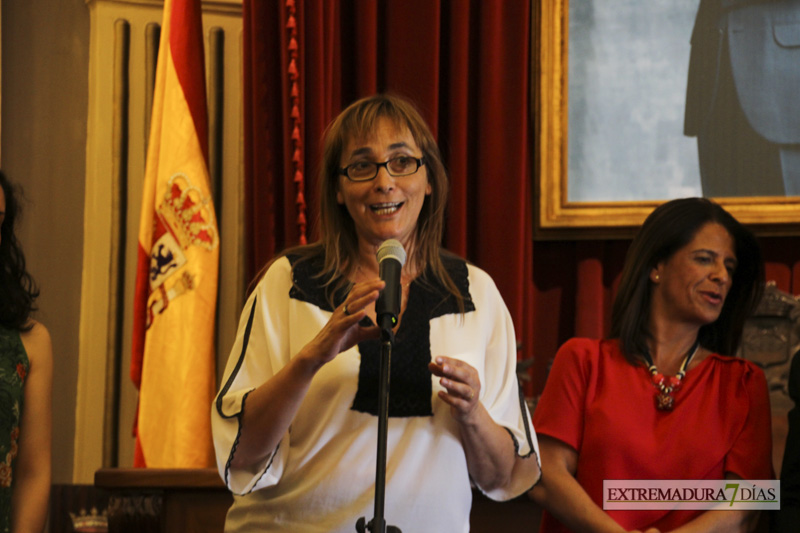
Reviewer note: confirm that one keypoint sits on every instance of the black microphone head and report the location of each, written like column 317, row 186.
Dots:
column 391, row 258
column 391, row 248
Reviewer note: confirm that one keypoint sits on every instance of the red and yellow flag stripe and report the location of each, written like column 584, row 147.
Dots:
column 173, row 359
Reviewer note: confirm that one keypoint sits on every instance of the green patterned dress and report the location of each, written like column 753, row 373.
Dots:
column 13, row 369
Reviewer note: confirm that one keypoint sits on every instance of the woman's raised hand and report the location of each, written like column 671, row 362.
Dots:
column 462, row 385
column 342, row 330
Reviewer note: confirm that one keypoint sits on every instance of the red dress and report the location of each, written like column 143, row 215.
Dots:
column 603, row 407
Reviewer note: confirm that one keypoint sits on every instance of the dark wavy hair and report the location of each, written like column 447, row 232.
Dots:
column 18, row 291
column 670, row 227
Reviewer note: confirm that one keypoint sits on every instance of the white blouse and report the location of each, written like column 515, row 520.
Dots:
column 321, row 477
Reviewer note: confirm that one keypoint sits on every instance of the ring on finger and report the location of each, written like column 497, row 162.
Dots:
column 346, row 312
column 471, row 394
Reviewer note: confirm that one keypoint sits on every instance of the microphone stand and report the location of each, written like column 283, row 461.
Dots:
column 378, row 524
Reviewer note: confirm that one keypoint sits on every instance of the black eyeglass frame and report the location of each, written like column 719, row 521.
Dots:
column 420, row 162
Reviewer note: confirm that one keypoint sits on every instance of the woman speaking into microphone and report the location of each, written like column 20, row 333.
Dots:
column 295, row 421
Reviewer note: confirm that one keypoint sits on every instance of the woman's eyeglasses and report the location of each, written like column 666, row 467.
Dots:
column 402, row 165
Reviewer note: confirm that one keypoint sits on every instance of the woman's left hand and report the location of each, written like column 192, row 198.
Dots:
column 489, row 450
column 462, row 386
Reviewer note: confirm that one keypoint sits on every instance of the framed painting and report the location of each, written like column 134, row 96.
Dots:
column 613, row 122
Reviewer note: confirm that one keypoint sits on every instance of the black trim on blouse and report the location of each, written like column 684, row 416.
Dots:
column 238, row 414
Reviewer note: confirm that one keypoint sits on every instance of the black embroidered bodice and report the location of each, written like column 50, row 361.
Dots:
column 410, row 385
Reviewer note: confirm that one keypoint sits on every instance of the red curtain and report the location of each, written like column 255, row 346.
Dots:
column 467, row 65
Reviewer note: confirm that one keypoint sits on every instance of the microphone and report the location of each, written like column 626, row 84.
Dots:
column 391, row 258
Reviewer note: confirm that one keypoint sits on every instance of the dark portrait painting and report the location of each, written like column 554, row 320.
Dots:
column 744, row 82
column 675, row 98
column 643, row 102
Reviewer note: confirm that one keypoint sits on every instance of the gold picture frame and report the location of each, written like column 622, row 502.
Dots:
column 558, row 218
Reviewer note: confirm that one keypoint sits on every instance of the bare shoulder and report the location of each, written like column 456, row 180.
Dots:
column 37, row 344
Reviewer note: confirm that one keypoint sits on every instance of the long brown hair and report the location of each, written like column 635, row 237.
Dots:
column 670, row 227
column 338, row 240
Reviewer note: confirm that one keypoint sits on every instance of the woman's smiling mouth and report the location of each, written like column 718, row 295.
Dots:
column 714, row 298
column 386, row 208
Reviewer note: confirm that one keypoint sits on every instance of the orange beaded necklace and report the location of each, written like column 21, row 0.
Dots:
column 667, row 385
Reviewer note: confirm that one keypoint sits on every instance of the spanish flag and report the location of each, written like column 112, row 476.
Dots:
column 173, row 361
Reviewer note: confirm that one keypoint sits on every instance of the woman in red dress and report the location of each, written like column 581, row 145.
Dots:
column 663, row 398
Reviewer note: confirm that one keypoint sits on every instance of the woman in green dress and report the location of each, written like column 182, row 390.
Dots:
column 26, row 376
